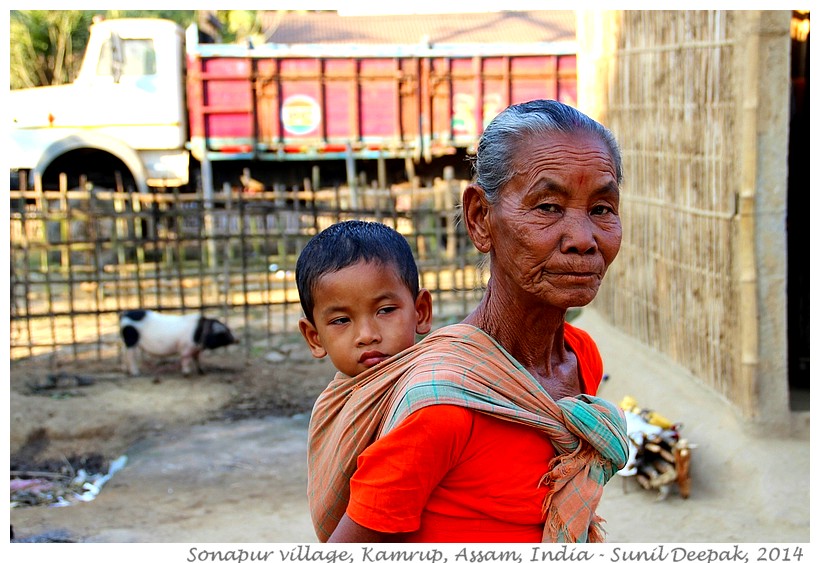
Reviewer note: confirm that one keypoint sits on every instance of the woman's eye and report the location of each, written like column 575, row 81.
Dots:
column 602, row 210
column 549, row 207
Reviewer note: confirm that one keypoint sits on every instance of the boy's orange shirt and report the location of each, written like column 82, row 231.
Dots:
column 403, row 483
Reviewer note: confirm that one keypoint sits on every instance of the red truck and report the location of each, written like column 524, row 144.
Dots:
column 158, row 108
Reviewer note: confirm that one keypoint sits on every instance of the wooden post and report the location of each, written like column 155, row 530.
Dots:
column 41, row 210
column 409, row 168
column 65, row 246
column 207, row 175
column 350, row 168
column 376, row 198
column 315, row 176
column 208, row 221
column 311, row 186
column 382, row 171
column 140, row 248
column 746, row 270
column 451, row 188
column 762, row 387
column 120, row 231
column 228, row 253
column 415, row 213
column 177, row 221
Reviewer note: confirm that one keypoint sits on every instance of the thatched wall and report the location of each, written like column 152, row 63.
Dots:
column 699, row 103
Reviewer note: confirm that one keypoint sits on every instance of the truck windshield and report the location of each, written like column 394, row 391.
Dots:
column 139, row 58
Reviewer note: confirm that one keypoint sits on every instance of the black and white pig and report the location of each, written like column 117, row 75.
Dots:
column 161, row 334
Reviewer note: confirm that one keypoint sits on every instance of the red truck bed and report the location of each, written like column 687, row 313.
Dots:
column 315, row 103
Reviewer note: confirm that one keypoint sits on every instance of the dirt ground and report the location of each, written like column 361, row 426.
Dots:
column 222, row 439
column 221, row 457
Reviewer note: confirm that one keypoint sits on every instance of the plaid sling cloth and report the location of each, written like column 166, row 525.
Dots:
column 462, row 365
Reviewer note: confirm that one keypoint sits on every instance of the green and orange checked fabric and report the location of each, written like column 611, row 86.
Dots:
column 461, row 365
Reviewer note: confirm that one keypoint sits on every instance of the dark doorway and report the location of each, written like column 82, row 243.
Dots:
column 797, row 216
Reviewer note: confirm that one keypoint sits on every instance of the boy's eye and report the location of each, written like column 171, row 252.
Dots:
column 388, row 309
column 339, row 321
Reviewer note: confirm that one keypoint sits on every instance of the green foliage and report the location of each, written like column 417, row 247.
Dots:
column 240, row 25
column 46, row 46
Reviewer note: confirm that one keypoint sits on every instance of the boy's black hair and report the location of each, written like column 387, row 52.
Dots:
column 347, row 243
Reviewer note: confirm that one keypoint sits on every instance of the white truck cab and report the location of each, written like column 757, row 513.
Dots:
column 125, row 113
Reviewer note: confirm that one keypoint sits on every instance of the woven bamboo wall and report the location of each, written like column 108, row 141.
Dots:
column 699, row 103
column 673, row 108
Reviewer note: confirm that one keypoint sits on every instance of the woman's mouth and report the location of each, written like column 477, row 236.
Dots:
column 579, row 277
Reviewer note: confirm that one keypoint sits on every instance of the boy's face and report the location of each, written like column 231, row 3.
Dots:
column 363, row 314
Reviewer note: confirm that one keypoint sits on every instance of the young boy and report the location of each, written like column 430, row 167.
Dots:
column 359, row 288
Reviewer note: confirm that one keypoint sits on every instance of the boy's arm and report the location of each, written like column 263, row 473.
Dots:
column 349, row 531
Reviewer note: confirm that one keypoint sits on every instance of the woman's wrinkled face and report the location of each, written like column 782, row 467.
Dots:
column 555, row 227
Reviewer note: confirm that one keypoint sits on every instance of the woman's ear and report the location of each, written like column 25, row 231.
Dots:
column 475, row 213
column 311, row 336
column 424, row 312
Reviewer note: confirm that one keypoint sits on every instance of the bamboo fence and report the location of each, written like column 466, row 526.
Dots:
column 80, row 256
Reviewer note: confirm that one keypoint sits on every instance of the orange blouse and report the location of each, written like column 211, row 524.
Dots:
column 451, row 474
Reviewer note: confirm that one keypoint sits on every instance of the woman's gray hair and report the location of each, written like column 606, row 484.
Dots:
column 498, row 148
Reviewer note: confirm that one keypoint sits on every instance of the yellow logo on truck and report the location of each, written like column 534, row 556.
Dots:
column 300, row 114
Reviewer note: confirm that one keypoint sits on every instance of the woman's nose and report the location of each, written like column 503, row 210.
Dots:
column 579, row 234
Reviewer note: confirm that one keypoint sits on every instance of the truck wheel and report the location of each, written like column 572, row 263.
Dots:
column 100, row 169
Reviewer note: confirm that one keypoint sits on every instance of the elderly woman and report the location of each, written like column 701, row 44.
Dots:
column 489, row 430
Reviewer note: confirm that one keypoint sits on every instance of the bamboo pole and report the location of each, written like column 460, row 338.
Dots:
column 747, row 312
